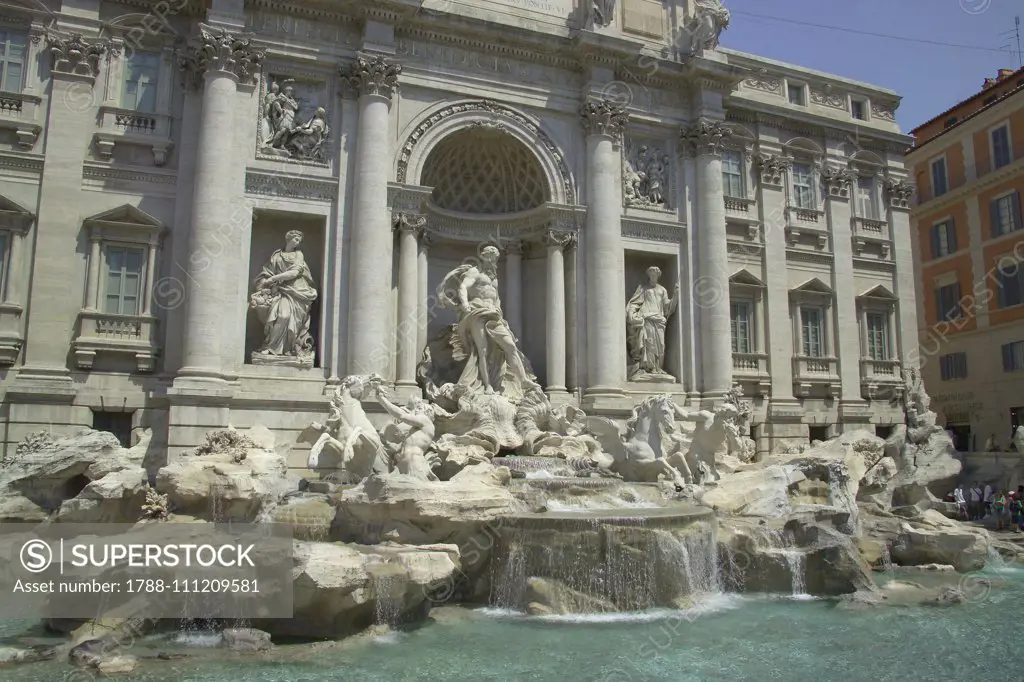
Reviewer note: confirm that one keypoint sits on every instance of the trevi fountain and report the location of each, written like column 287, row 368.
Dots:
column 484, row 531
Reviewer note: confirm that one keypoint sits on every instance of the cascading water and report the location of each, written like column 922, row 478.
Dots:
column 839, row 493
column 776, row 542
column 387, row 591
column 605, row 561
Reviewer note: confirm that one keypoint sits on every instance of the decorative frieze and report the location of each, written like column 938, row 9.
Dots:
column 288, row 187
column 73, row 55
column 837, row 181
column 886, row 113
column 827, row 98
column 218, row 50
column 603, row 117
column 646, row 176
column 706, row 136
column 899, row 192
column 765, row 83
column 655, row 232
column 372, row 76
column 771, row 168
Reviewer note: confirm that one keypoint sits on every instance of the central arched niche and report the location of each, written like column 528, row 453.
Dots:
column 484, row 171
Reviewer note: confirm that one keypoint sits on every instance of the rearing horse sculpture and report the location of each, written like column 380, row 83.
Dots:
column 639, row 455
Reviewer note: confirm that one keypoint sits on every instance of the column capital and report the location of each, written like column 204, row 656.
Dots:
column 603, row 117
column 513, row 247
column 837, row 181
column 409, row 222
column 372, row 75
column 706, row 137
column 216, row 50
column 771, row 168
column 899, row 193
column 559, row 239
column 72, row 55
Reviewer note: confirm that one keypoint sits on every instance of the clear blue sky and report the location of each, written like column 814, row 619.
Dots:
column 931, row 78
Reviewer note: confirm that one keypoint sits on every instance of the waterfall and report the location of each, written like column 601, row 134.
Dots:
column 387, row 590
column 795, row 561
column 777, row 542
column 839, row 493
column 607, row 562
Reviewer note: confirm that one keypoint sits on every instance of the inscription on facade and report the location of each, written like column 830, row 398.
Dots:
column 560, row 8
column 469, row 60
column 268, row 23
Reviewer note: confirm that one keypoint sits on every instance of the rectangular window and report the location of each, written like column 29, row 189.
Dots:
column 12, row 61
column 1001, row 155
column 953, row 366
column 1004, row 214
column 943, row 239
column 796, row 95
column 742, row 338
column 732, row 174
column 140, row 78
column 1010, row 285
column 813, row 332
column 858, row 110
column 803, row 187
column 947, row 302
column 866, row 206
column 878, row 336
column 940, row 183
column 124, row 280
column 1013, row 356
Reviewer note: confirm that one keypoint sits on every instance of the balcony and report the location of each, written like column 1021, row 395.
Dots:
column 124, row 126
column 131, row 335
column 809, row 373
column 880, row 379
column 21, row 113
column 752, row 368
column 740, row 210
column 868, row 232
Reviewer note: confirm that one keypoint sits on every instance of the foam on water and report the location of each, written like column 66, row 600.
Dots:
column 539, row 473
column 198, row 639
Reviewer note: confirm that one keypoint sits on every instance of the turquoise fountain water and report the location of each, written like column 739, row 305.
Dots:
column 724, row 637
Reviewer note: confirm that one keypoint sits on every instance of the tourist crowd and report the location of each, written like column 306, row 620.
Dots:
column 976, row 503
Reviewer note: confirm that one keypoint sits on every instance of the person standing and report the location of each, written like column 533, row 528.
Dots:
column 987, row 497
column 975, row 498
column 999, row 509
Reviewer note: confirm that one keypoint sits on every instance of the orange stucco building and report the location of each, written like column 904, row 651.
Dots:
column 968, row 236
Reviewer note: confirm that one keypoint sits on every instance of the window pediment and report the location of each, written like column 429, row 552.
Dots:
column 812, row 290
column 744, row 278
column 14, row 216
column 125, row 223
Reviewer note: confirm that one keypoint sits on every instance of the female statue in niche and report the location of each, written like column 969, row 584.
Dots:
column 284, row 294
column 647, row 316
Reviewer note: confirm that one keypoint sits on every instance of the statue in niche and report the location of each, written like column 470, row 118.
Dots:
column 644, row 176
column 603, row 12
column 282, row 134
column 647, row 314
column 703, row 31
column 494, row 362
column 285, row 291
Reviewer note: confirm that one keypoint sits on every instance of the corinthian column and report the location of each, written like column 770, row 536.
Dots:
column 216, row 62
column 556, row 242
column 423, row 296
column 704, row 140
column 513, row 299
column 376, row 81
column 409, row 227
column 604, row 123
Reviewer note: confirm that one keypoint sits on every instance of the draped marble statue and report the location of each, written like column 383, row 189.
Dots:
column 494, row 363
column 647, row 316
column 285, row 291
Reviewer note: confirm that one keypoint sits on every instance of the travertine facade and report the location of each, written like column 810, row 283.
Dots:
column 154, row 163
column 968, row 163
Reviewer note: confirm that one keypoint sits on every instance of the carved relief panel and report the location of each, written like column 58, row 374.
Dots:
column 294, row 122
column 647, row 178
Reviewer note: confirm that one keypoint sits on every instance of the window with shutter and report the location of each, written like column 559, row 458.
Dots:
column 1001, row 153
column 1013, row 356
column 12, row 60
column 878, row 336
column 803, row 187
column 813, row 332
column 1004, row 214
column 940, row 183
column 124, row 280
column 732, row 174
column 741, row 328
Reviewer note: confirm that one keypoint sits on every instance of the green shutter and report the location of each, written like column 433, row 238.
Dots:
column 993, row 216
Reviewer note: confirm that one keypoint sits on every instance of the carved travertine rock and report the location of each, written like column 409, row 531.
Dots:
column 285, row 291
column 647, row 314
column 373, row 76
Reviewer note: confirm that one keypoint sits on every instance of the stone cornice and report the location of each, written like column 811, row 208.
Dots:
column 475, row 42
column 653, row 230
column 278, row 185
column 780, row 118
column 19, row 162
column 604, row 49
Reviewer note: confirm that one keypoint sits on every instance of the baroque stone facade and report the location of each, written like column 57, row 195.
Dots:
column 381, row 147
